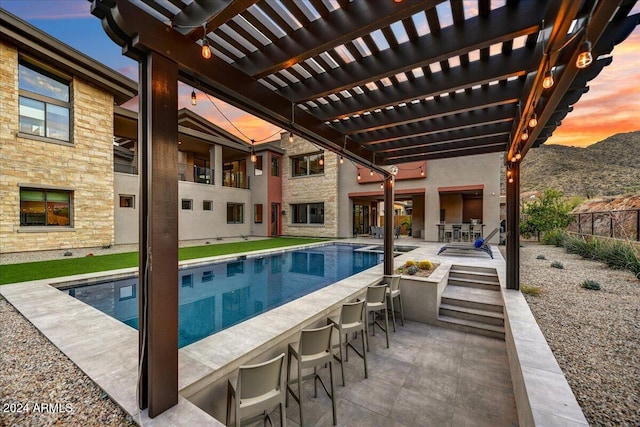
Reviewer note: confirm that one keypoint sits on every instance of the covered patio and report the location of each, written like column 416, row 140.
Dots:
column 380, row 82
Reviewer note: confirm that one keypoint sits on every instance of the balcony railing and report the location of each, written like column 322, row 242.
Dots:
column 201, row 175
column 122, row 168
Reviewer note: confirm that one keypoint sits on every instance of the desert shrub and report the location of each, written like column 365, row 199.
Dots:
column 409, row 264
column 580, row 246
column 531, row 290
column 591, row 284
column 615, row 253
column 557, row 264
column 412, row 270
column 541, row 257
column 554, row 237
column 425, row 264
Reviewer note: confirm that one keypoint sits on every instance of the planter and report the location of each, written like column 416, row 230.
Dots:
column 421, row 295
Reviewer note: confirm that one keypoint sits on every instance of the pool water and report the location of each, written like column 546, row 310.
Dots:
column 216, row 296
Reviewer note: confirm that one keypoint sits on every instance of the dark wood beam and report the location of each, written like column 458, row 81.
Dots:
column 455, row 141
column 504, row 24
column 435, row 126
column 486, row 97
column 442, row 137
column 388, row 225
column 338, row 27
column 446, row 154
column 479, row 72
column 513, row 227
column 212, row 12
column 138, row 33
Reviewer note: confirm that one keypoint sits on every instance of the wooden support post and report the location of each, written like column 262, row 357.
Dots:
column 513, row 228
column 388, row 224
column 158, row 270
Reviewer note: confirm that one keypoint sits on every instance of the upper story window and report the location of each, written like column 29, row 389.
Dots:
column 45, row 207
column 275, row 166
column 44, row 103
column 257, row 168
column 235, row 174
column 309, row 164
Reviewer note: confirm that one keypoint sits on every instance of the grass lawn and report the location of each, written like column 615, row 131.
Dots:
column 13, row 273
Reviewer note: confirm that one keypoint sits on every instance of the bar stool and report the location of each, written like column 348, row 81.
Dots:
column 350, row 321
column 312, row 351
column 393, row 292
column 448, row 232
column 376, row 303
column 258, row 389
column 465, row 232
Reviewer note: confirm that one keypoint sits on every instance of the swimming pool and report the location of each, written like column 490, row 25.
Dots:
column 216, row 296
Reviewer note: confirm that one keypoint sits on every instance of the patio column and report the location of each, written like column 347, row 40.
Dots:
column 388, row 224
column 513, row 228
column 158, row 268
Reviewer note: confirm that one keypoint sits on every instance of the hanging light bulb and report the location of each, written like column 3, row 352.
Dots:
column 381, row 185
column 421, row 171
column 510, row 180
column 548, row 81
column 370, row 172
column 341, row 160
column 206, row 50
column 193, row 98
column 518, row 155
column 321, row 161
column 359, row 177
column 525, row 135
column 584, row 58
column 533, row 121
column 254, row 158
column 290, row 137
column 513, row 159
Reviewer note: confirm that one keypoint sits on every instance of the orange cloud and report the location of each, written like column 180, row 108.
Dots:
column 612, row 104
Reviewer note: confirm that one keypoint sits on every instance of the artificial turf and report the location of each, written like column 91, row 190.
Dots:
column 13, row 273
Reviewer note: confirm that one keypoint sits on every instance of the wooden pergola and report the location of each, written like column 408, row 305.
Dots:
column 381, row 82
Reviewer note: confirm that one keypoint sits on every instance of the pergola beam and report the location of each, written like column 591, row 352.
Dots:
column 504, row 24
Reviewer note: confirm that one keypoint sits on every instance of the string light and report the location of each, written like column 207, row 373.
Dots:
column 290, row 137
column 421, row 171
column 359, row 177
column 518, row 155
column 193, row 98
column 548, row 79
column 370, row 172
column 321, row 161
column 206, row 50
column 341, row 160
column 254, row 158
column 533, row 121
column 584, row 58
column 525, row 135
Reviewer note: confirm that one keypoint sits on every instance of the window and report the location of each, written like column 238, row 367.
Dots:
column 309, row 164
column 257, row 170
column 187, row 204
column 235, row 213
column 308, row 213
column 275, row 166
column 257, row 213
column 127, row 201
column 44, row 207
column 207, row 205
column 43, row 103
column 235, row 174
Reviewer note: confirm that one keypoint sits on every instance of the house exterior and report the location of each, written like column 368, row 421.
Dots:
column 69, row 162
column 56, row 133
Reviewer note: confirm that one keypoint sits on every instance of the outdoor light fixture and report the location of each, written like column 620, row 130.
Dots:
column 193, row 98
column 421, row 171
column 533, row 121
column 254, row 158
column 359, row 177
column 341, row 160
column 370, row 172
column 584, row 58
column 525, row 135
column 290, row 137
column 321, row 161
column 548, row 81
column 381, row 185
column 206, row 50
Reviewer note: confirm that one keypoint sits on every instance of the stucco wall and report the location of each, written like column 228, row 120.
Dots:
column 84, row 167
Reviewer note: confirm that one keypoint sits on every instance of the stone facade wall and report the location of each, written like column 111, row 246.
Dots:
column 309, row 189
column 85, row 167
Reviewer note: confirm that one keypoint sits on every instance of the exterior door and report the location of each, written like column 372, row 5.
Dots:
column 275, row 214
column 360, row 219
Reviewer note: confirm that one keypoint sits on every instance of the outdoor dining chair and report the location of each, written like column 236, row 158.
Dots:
column 258, row 389
column 312, row 351
column 350, row 321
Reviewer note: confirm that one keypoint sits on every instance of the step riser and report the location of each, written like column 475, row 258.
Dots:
column 473, row 277
column 472, row 304
column 472, row 269
column 487, row 286
column 472, row 316
column 471, row 330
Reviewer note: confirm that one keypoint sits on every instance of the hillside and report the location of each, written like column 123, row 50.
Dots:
column 609, row 167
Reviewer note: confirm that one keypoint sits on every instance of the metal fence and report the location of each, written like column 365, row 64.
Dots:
column 622, row 224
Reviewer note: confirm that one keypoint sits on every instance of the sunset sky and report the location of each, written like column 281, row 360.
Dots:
column 612, row 104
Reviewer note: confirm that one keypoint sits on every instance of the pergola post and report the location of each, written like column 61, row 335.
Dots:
column 388, row 224
column 513, row 228
column 158, row 244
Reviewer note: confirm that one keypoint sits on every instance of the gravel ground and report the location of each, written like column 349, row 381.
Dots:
column 594, row 335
